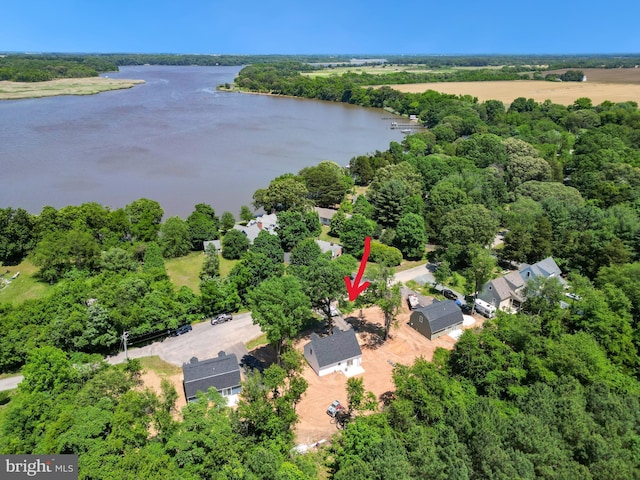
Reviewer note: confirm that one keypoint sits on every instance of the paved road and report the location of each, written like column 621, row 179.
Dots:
column 421, row 274
column 10, row 383
column 204, row 341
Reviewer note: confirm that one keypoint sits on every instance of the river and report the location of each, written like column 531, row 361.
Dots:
column 174, row 139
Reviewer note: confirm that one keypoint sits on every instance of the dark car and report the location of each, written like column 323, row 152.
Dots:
column 223, row 317
column 466, row 308
column 251, row 363
column 449, row 294
column 183, row 329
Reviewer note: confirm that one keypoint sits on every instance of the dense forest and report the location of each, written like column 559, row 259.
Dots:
column 551, row 392
column 47, row 66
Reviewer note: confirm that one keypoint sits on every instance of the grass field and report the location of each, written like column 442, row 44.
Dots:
column 186, row 270
column 25, row 287
column 159, row 366
column 62, row 86
column 386, row 69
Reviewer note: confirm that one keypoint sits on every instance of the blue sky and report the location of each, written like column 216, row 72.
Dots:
column 324, row 26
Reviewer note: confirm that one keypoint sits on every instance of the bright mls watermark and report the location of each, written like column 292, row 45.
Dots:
column 48, row 467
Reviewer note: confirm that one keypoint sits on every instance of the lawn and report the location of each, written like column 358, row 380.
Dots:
column 185, row 270
column 25, row 286
column 159, row 366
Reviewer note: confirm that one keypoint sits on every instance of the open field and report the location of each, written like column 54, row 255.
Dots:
column 62, row 86
column 24, row 287
column 185, row 270
column 606, row 75
column 564, row 93
column 387, row 68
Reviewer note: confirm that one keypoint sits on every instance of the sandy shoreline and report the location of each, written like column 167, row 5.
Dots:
column 63, row 86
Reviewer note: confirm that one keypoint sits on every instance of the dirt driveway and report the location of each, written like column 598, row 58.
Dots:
column 404, row 346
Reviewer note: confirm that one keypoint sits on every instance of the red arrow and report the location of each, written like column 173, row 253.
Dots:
column 355, row 288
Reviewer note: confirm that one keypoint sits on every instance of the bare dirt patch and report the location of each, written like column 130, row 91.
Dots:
column 564, row 93
column 404, row 346
column 156, row 370
column 62, row 86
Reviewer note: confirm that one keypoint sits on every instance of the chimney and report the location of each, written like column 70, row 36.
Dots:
column 259, row 225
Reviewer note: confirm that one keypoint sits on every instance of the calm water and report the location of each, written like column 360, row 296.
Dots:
column 174, row 139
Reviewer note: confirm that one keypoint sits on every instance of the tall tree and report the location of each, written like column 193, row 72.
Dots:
column 234, row 244
column 283, row 193
column 280, row 307
column 145, row 216
column 211, row 265
column 203, row 225
column 323, row 282
column 174, row 240
column 385, row 293
column 411, row 236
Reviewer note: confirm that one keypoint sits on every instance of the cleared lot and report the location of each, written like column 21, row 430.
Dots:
column 404, row 346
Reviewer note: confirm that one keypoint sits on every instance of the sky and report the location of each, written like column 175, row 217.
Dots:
column 320, row 27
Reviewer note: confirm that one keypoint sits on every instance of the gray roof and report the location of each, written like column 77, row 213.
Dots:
column 544, row 268
column 253, row 228
column 441, row 315
column 339, row 346
column 325, row 246
column 220, row 372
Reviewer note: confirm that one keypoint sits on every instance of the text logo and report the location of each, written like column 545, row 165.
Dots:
column 46, row 467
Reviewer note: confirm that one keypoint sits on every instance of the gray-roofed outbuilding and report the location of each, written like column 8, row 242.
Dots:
column 221, row 373
column 437, row 319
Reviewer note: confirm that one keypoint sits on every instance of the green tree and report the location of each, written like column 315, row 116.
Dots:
column 175, row 240
column 153, row 261
column 411, row 236
column 305, row 252
column 482, row 265
column 269, row 245
column 144, row 216
column 118, row 260
column 284, row 193
column 337, row 222
column 59, row 251
column 280, row 307
column 234, row 244
column 323, row 283
column 384, row 293
column 218, row 296
column 326, row 183
column 17, row 234
column 211, row 265
column 354, row 232
column 292, row 228
column 203, row 225
column 358, row 400
column 246, row 215
column 227, row 221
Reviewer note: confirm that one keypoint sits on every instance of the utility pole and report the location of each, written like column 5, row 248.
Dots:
column 125, row 336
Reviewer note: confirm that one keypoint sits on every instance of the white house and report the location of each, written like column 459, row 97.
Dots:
column 338, row 352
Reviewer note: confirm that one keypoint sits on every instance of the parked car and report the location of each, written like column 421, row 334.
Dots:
column 251, row 363
column 183, row 329
column 334, row 408
column 449, row 294
column 222, row 318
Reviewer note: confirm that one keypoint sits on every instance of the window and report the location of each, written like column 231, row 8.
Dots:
column 349, row 363
column 225, row 392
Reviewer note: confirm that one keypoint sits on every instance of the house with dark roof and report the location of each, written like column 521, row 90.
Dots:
column 507, row 292
column 338, row 352
column 221, row 373
column 437, row 319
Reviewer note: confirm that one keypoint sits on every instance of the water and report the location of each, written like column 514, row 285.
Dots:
column 174, row 139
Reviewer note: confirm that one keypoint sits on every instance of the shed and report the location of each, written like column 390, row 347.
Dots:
column 221, row 373
column 437, row 319
column 338, row 352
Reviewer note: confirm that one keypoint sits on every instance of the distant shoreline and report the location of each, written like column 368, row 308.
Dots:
column 63, row 86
